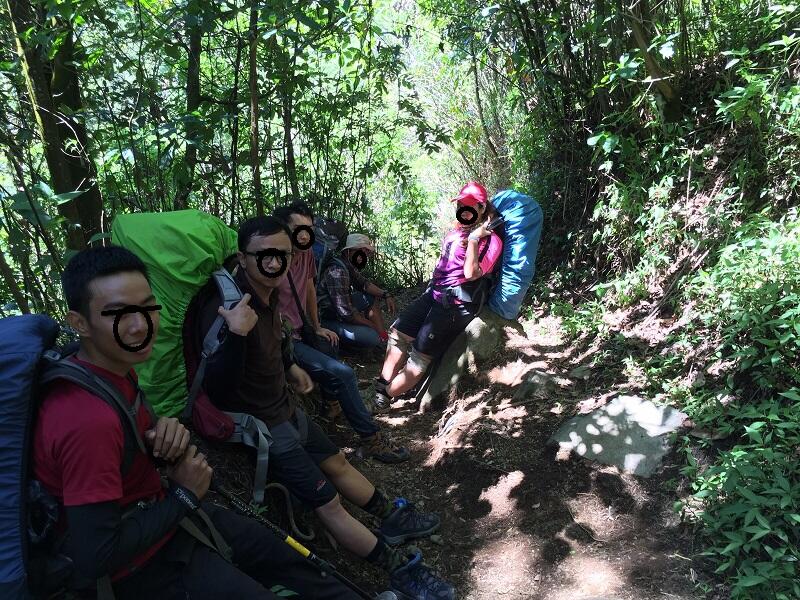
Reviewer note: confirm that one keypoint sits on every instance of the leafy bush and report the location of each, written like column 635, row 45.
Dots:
column 751, row 495
column 752, row 295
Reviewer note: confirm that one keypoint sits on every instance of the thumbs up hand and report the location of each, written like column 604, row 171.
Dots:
column 241, row 318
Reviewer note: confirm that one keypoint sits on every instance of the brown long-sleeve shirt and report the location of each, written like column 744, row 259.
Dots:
column 248, row 373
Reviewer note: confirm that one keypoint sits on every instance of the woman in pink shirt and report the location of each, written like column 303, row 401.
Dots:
column 424, row 330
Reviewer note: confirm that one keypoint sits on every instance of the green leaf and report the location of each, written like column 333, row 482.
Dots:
column 67, row 196
column 30, row 209
column 100, row 236
column 751, row 580
column 308, row 21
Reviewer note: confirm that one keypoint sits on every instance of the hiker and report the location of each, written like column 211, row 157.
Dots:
column 314, row 346
column 125, row 533
column 347, row 300
column 458, row 288
column 252, row 372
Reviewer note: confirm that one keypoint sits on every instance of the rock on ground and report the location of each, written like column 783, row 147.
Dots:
column 483, row 337
column 629, row 432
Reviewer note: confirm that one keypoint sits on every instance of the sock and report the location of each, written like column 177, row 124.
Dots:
column 379, row 506
column 387, row 558
column 380, row 387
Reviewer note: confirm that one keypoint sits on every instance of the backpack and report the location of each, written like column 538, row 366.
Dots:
column 29, row 359
column 183, row 251
column 522, row 231
column 330, row 236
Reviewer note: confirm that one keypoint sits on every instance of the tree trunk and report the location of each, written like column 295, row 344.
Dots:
column 11, row 285
column 288, row 145
column 639, row 17
column 253, row 80
column 63, row 137
column 235, row 130
column 195, row 34
column 479, row 104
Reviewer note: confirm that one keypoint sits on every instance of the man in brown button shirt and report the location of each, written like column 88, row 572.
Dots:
column 250, row 373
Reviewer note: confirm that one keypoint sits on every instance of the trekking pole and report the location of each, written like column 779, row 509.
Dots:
column 323, row 565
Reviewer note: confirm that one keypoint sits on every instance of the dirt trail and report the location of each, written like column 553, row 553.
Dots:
column 518, row 522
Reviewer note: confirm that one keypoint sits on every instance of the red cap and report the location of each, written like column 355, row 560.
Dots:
column 471, row 194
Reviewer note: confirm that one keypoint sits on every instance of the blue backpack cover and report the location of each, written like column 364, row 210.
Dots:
column 23, row 340
column 523, row 229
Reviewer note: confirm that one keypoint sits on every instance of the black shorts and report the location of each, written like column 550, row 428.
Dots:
column 433, row 326
column 298, row 447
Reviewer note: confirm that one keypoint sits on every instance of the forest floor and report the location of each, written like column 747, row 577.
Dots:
column 518, row 520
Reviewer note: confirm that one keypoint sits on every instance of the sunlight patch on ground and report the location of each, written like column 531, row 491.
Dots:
column 512, row 374
column 499, row 495
column 589, row 578
column 503, row 568
column 395, row 421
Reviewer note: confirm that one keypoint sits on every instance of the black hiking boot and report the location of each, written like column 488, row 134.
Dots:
column 415, row 581
column 382, row 402
column 405, row 523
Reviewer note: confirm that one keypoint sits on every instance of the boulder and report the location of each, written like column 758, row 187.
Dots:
column 468, row 355
column 630, row 432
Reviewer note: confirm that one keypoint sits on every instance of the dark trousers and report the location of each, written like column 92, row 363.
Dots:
column 263, row 566
column 338, row 382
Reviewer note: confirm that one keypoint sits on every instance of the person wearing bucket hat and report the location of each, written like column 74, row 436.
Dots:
column 457, row 291
column 347, row 299
column 313, row 350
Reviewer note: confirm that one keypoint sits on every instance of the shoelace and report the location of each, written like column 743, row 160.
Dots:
column 426, row 578
column 411, row 514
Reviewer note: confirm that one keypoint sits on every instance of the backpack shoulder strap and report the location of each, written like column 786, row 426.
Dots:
column 79, row 375
column 485, row 248
column 299, row 304
column 229, row 294
column 228, row 290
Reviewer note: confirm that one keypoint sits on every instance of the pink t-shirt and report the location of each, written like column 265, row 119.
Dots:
column 449, row 269
column 303, row 268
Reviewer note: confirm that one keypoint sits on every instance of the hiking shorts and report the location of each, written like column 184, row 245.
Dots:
column 432, row 325
column 298, row 447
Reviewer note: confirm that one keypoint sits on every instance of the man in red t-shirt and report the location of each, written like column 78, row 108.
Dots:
column 78, row 452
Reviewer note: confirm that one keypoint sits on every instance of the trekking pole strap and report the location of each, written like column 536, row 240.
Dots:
column 219, row 545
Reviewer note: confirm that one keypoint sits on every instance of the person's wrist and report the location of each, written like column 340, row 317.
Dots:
column 474, row 236
column 184, row 495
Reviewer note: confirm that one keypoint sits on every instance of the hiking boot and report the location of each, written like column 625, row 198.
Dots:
column 382, row 402
column 405, row 523
column 415, row 581
column 333, row 411
column 381, row 447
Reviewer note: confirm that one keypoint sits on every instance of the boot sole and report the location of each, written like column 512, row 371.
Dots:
column 396, row 540
column 389, row 459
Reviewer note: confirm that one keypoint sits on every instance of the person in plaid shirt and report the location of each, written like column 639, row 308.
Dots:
column 347, row 298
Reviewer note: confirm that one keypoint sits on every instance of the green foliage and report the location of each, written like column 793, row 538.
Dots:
column 751, row 497
column 752, row 297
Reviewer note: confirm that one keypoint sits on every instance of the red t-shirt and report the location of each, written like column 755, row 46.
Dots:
column 78, row 449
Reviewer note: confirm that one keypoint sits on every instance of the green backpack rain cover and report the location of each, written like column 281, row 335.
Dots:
column 181, row 250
